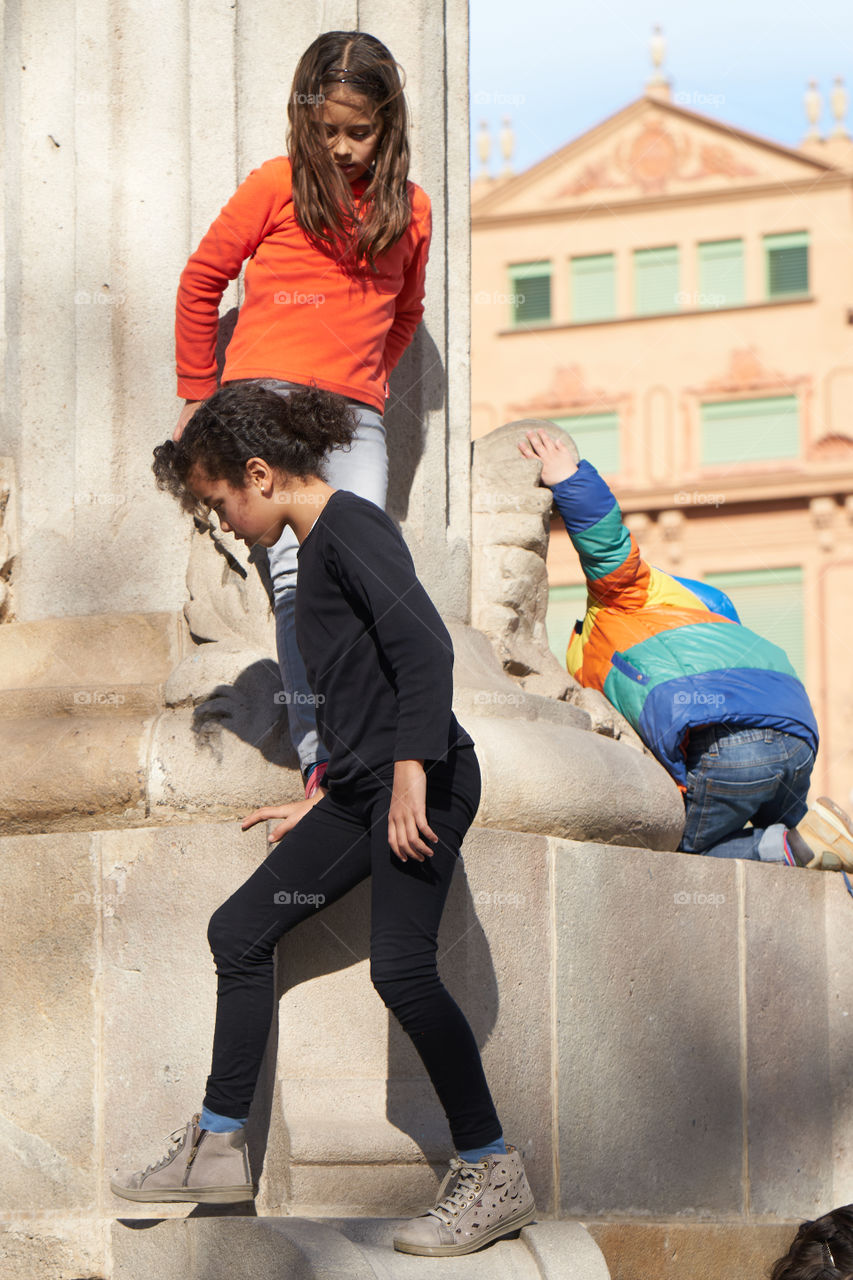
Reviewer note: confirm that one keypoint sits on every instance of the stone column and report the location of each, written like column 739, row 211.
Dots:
column 128, row 126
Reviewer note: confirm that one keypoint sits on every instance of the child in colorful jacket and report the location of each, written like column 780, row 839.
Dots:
column 721, row 707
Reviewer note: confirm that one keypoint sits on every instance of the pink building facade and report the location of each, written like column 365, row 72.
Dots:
column 678, row 295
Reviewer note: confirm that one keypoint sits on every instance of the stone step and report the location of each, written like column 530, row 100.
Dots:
column 92, row 656
column 222, row 1247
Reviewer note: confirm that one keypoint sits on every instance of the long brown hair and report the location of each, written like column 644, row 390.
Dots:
column 322, row 197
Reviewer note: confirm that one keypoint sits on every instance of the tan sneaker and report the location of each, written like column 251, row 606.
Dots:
column 828, row 832
column 476, row 1203
column 204, row 1167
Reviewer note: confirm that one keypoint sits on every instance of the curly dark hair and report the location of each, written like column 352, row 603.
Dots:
column 292, row 433
column 821, row 1250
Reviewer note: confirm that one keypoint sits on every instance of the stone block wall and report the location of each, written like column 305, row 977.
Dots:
column 667, row 1037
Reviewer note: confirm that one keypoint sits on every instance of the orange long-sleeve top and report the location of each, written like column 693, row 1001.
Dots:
column 306, row 316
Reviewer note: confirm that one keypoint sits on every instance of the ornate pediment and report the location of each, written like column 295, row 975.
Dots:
column 746, row 371
column 650, row 149
column 567, row 393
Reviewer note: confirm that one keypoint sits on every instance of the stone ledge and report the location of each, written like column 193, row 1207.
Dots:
column 691, row 1250
column 216, row 1248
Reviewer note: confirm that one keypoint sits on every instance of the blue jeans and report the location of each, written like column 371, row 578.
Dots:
column 361, row 469
column 750, row 775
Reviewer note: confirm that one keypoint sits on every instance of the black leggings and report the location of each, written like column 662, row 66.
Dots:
column 333, row 848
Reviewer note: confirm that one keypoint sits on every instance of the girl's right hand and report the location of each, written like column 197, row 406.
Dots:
column 290, row 813
column 186, row 413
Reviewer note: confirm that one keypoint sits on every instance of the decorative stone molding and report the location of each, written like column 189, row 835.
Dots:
column 8, row 536
column 822, row 512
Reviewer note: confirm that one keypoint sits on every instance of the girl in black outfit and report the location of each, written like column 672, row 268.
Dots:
column 401, row 790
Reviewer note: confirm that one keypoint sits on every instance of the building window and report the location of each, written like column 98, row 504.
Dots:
column 721, row 274
column 787, row 264
column 565, row 606
column 597, row 438
column 656, row 280
column 530, row 287
column 593, row 283
column 750, row 430
column 769, row 602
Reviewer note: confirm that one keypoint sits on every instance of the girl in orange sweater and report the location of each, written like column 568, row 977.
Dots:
column 337, row 240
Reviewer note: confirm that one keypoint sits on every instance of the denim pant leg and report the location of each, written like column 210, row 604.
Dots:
column 361, row 469
column 756, row 775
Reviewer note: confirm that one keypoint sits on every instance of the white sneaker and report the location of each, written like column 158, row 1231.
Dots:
column 828, row 831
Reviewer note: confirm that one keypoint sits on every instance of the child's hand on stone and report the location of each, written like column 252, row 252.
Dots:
column 290, row 813
column 556, row 457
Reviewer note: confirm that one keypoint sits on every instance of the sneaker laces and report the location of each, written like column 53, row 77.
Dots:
column 175, row 1141
column 469, row 1182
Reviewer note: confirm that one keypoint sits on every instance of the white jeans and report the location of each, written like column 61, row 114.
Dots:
column 361, row 469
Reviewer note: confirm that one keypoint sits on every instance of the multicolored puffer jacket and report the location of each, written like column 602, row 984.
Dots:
column 668, row 653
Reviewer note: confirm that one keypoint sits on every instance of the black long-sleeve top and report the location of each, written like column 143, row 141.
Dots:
column 378, row 657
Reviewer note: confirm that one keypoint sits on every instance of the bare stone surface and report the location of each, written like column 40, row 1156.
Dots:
column 839, row 922
column 49, row 961
column 691, row 1251
column 90, row 654
column 341, row 1249
column 647, row 1002
column 229, row 757
column 78, row 768
column 574, row 794
column 61, row 1249
column 789, row 1101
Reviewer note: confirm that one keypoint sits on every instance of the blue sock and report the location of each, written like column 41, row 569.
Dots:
column 496, row 1148
column 219, row 1124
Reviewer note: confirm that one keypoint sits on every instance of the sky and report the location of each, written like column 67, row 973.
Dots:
column 558, row 68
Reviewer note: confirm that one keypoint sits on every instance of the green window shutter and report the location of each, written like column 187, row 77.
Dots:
column 593, row 287
column 721, row 274
column 787, row 264
column 656, row 280
column 565, row 606
column 530, row 286
column 597, row 438
column 770, row 602
column 750, row 430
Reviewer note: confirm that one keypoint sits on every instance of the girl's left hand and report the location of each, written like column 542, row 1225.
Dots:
column 407, row 820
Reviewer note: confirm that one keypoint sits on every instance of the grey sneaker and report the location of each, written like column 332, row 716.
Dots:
column 827, row 832
column 203, row 1167
column 476, row 1204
